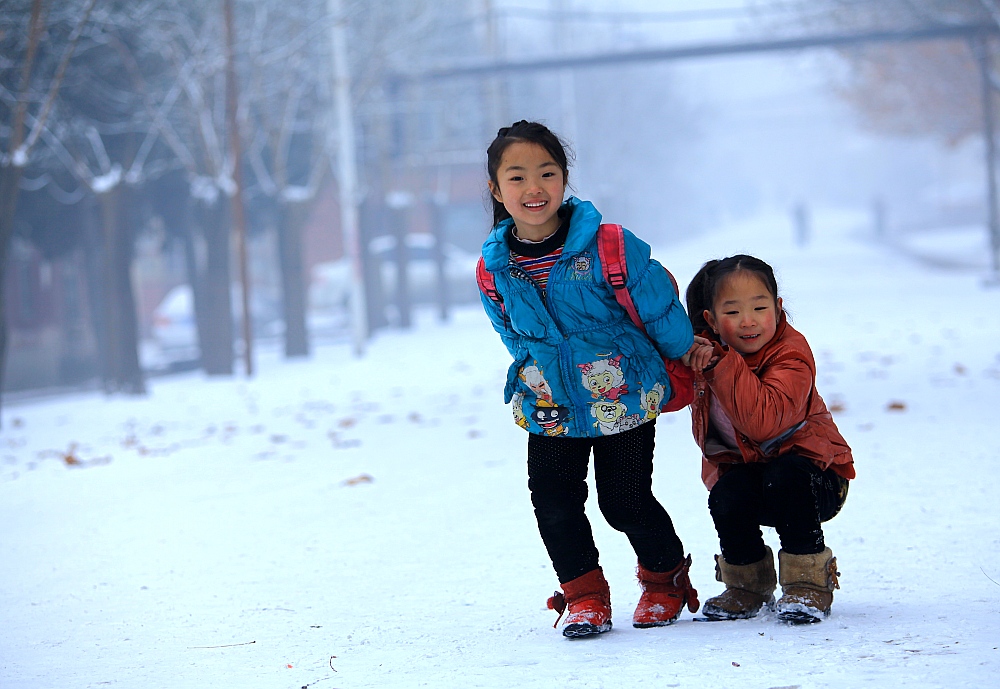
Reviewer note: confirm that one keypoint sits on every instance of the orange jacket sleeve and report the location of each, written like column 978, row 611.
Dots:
column 764, row 404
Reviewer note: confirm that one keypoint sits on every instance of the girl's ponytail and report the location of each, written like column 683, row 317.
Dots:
column 522, row 131
column 699, row 296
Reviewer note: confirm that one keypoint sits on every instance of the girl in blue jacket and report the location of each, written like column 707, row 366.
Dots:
column 584, row 378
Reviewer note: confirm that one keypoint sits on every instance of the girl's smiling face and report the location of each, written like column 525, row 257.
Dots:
column 530, row 185
column 745, row 313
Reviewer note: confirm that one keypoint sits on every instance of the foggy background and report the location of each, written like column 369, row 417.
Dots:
column 122, row 213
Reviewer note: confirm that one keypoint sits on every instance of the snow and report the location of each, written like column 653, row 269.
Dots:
column 204, row 189
column 298, row 194
column 101, row 184
column 342, row 522
column 20, row 157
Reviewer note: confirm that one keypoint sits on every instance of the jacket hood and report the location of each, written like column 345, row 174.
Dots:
column 583, row 223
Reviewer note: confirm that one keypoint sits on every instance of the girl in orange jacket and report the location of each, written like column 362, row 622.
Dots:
column 771, row 452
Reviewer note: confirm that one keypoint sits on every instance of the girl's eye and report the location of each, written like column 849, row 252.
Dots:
column 516, row 178
column 549, row 174
column 730, row 313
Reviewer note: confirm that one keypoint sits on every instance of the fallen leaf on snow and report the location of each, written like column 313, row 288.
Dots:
column 359, row 479
column 71, row 459
column 896, row 405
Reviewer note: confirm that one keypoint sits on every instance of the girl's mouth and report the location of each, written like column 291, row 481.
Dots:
column 535, row 205
column 749, row 337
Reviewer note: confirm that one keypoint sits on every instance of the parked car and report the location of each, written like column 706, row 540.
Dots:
column 422, row 271
column 174, row 333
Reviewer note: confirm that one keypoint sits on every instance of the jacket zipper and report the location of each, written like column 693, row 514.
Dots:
column 565, row 360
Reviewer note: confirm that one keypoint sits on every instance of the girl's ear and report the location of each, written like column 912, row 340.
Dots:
column 710, row 319
column 494, row 190
column 780, row 306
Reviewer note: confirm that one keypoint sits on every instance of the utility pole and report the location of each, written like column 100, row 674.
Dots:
column 239, row 217
column 347, row 180
column 982, row 50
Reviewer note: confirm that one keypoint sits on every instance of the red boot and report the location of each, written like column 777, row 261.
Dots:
column 589, row 601
column 664, row 595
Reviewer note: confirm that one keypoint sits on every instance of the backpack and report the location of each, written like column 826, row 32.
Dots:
column 611, row 251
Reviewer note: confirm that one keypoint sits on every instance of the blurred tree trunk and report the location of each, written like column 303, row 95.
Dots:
column 291, row 219
column 94, row 262
column 122, row 371
column 217, row 336
column 11, row 170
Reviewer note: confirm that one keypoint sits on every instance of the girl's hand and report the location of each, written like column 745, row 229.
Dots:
column 699, row 355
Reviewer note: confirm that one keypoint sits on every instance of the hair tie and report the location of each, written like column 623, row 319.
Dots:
column 505, row 131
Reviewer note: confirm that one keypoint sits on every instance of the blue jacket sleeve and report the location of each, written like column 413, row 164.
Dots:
column 501, row 324
column 658, row 305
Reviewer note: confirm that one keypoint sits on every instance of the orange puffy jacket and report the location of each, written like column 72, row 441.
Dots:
column 771, row 398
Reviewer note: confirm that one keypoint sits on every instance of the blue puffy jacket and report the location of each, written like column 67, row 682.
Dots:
column 581, row 367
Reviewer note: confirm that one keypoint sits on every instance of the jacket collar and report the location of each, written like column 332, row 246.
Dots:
column 583, row 225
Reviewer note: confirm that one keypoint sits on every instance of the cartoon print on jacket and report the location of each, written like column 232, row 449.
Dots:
column 652, row 401
column 550, row 417
column 533, row 378
column 612, row 417
column 518, row 408
column 604, row 378
column 583, row 266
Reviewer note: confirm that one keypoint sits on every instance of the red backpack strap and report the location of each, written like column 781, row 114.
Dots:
column 488, row 286
column 611, row 251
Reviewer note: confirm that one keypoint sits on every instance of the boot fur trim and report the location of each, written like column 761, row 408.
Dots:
column 757, row 577
column 816, row 571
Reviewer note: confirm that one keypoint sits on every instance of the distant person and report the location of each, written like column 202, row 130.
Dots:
column 771, row 452
column 584, row 378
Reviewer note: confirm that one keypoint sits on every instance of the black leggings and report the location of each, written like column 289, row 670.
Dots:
column 788, row 492
column 623, row 473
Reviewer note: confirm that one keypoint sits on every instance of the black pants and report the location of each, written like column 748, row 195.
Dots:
column 789, row 493
column 623, row 473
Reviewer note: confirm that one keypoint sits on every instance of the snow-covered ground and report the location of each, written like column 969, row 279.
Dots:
column 345, row 522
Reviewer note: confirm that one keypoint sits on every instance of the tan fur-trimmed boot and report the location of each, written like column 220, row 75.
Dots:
column 748, row 588
column 807, row 584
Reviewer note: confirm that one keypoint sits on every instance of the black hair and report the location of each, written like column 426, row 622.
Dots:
column 523, row 131
column 704, row 287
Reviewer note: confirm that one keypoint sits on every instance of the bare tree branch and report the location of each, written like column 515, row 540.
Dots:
column 57, row 79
